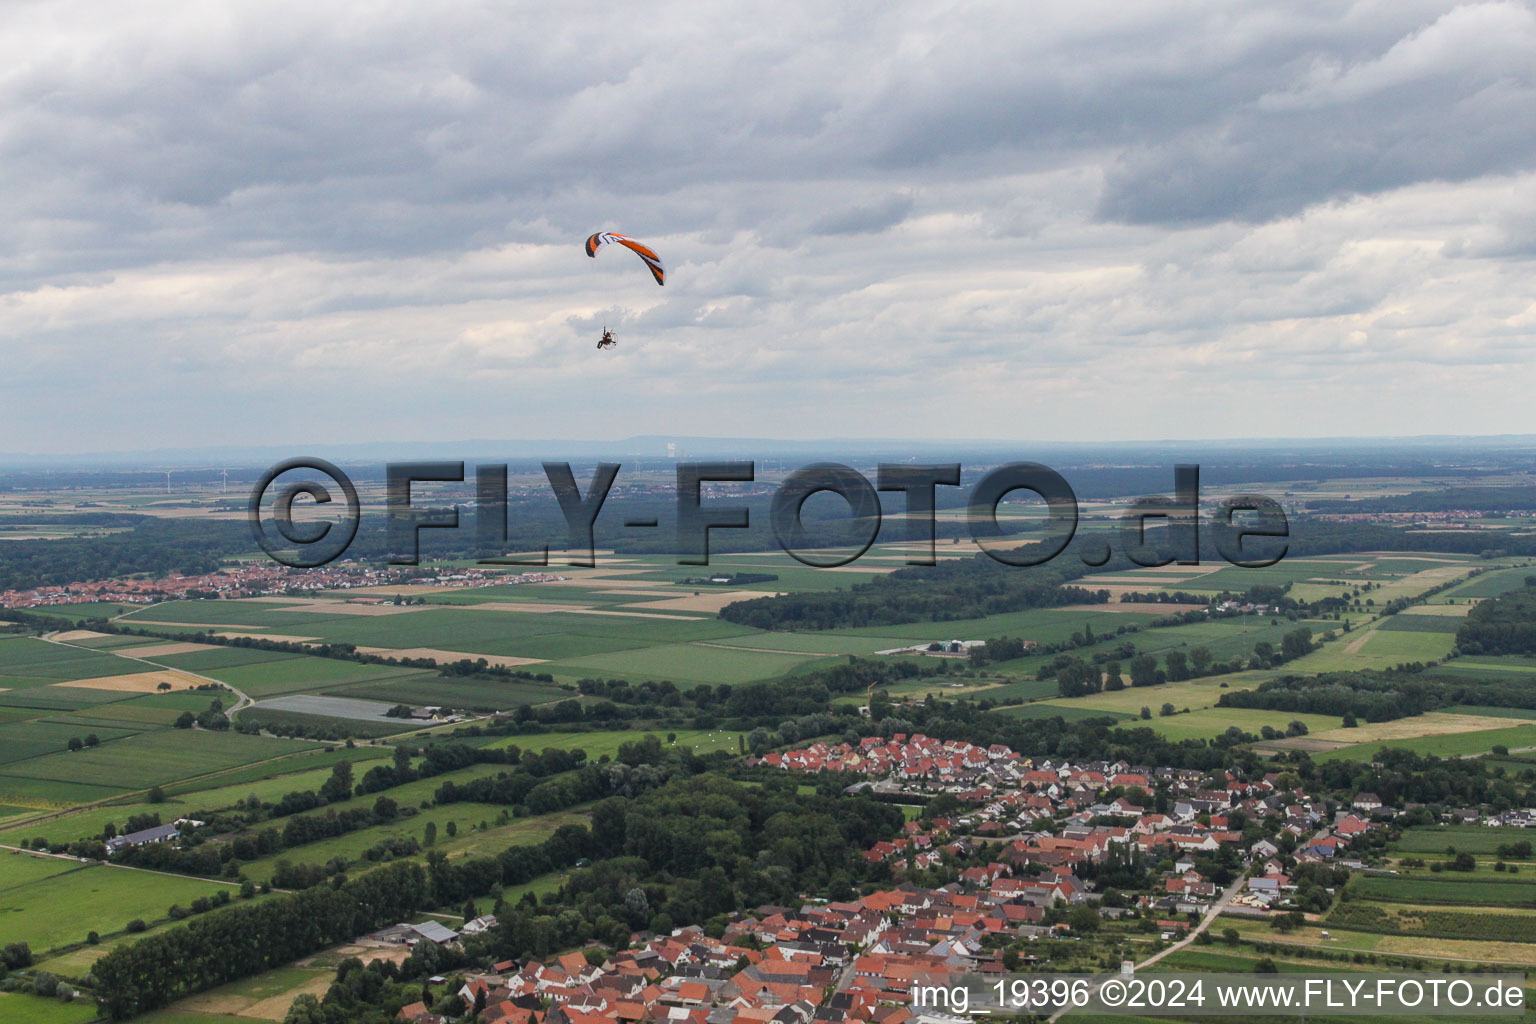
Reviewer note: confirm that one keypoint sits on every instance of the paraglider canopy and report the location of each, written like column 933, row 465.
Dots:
column 645, row 252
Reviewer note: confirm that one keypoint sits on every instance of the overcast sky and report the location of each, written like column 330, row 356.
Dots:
column 291, row 223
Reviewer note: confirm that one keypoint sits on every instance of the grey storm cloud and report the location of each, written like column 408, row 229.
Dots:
column 280, row 206
column 1451, row 101
column 865, row 219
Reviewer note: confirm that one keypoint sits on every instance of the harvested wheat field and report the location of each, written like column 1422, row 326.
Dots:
column 526, row 606
column 405, row 590
column 346, row 608
column 138, row 682
column 232, row 1001
column 76, row 635
column 1433, row 723
column 637, row 615
column 437, row 654
column 705, row 602
column 599, row 583
column 164, row 650
column 582, row 574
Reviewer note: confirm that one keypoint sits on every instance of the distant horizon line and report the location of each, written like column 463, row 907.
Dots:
column 655, row 446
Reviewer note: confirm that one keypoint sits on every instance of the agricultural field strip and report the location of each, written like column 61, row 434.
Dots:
column 88, row 820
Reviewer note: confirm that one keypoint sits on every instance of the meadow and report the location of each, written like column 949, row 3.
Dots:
column 1458, row 744
column 63, row 907
column 466, row 818
column 27, row 662
column 21, row 741
column 1209, row 722
column 15, row 1006
column 269, row 786
column 148, row 759
column 597, row 744
column 1446, row 888
column 683, row 664
column 301, row 674
column 1378, row 648
column 1067, row 712
column 1475, row 839
column 1489, row 584
column 1190, row 693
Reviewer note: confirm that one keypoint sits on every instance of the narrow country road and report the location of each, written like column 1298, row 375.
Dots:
column 1211, row 914
column 244, row 701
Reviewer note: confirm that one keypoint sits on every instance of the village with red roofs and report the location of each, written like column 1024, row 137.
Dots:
column 1028, row 840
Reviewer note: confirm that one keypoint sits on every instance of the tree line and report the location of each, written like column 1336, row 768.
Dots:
column 238, row 941
column 1503, row 625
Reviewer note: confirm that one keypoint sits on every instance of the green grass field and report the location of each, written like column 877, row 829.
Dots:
column 27, row 662
column 62, row 908
column 1489, row 584
column 50, row 794
column 1068, row 712
column 468, row 840
column 15, row 1006
column 1383, row 648
column 1422, row 623
column 683, row 663
column 1476, row 839
column 1191, row 693
column 502, row 632
column 1445, row 888
column 89, row 823
column 596, row 744
column 222, row 657
column 150, row 758
column 1210, row 722
column 24, row 868
column 219, row 614
column 305, row 675
column 20, row 741
column 1458, row 744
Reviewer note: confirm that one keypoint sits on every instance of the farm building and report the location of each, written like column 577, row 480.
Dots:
column 158, row 834
column 410, row 934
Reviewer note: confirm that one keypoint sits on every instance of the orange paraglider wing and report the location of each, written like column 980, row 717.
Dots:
column 645, row 252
